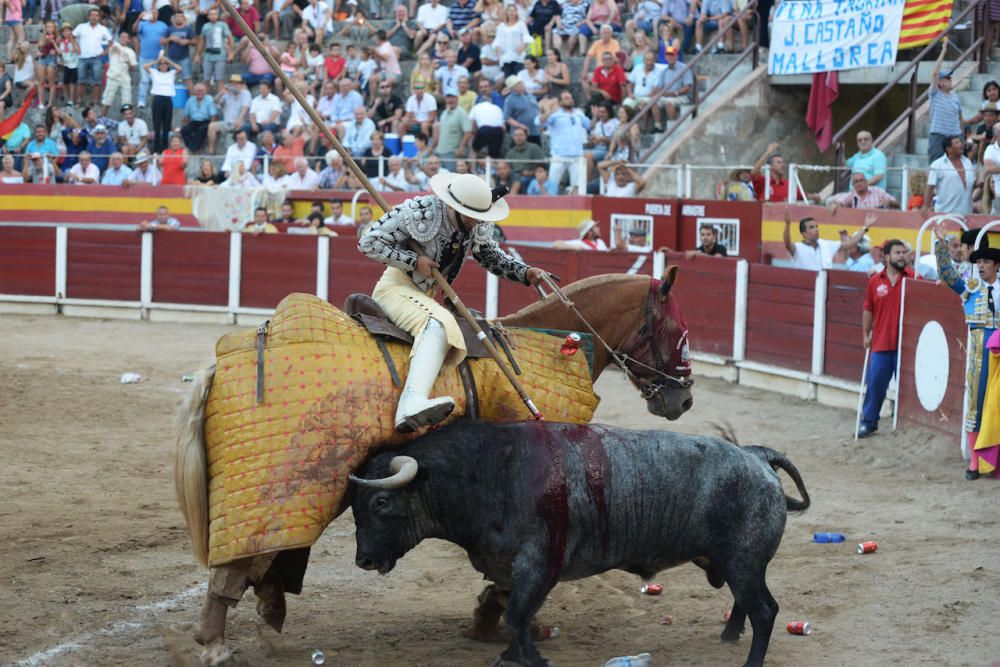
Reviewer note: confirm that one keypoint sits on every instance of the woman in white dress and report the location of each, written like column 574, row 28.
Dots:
column 511, row 41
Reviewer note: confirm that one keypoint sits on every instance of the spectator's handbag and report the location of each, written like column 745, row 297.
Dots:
column 536, row 48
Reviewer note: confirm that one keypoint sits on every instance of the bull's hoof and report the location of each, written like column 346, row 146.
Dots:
column 217, row 655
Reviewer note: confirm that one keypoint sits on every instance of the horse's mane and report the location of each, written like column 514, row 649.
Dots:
column 591, row 282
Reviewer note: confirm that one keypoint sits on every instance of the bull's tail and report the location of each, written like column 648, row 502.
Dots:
column 778, row 460
column 191, row 465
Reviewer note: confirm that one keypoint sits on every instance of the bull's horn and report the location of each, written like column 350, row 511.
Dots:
column 403, row 468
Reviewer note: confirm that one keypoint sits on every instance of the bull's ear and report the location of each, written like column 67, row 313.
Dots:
column 669, row 277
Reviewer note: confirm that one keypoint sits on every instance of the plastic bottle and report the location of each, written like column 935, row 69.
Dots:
column 641, row 660
column 828, row 538
column 318, row 657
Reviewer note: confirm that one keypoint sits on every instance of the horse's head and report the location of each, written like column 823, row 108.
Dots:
column 656, row 356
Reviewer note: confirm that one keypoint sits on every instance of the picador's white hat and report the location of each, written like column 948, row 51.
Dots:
column 469, row 195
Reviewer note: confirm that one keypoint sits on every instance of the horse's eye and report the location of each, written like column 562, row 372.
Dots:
column 380, row 502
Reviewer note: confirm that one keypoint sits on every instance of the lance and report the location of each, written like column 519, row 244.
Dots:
column 379, row 199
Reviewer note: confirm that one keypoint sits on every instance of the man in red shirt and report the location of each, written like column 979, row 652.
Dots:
column 249, row 14
column 779, row 184
column 880, row 325
column 609, row 79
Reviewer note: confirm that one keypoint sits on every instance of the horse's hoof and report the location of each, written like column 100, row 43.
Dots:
column 217, row 655
column 491, row 636
column 730, row 635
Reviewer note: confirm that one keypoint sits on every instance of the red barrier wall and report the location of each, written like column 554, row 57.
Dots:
column 27, row 261
column 780, row 316
column 191, row 268
column 350, row 271
column 103, row 264
column 275, row 265
column 926, row 302
column 705, row 289
column 663, row 212
column 843, row 353
column 693, row 212
column 563, row 263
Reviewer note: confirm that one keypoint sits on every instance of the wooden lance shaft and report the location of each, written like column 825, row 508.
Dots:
column 377, row 196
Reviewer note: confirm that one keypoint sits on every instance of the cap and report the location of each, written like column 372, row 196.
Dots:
column 511, row 81
column 584, row 227
column 34, row 155
column 451, row 93
column 141, row 157
column 100, row 128
column 125, row 107
column 945, row 75
column 989, row 106
column 235, row 78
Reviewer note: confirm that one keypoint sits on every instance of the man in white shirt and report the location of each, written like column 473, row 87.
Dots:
column 303, row 178
column 132, row 132
column 620, row 180
column 589, row 238
column 265, row 110
column 337, row 216
column 645, row 83
column 448, row 74
column 242, row 150
column 991, row 161
column 813, row 253
column 951, row 180
column 432, row 17
column 395, row 180
column 324, row 105
column 421, row 109
column 84, row 172
column 487, row 127
column 145, row 172
column 344, row 103
column 317, row 21
column 357, row 136
column 93, row 39
column 121, row 61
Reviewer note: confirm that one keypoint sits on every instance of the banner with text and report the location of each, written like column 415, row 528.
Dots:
column 832, row 35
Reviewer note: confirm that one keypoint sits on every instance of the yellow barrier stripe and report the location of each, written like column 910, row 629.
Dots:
column 178, row 205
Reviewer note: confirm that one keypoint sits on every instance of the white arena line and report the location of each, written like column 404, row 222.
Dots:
column 140, row 618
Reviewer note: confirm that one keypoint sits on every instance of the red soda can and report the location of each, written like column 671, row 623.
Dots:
column 799, row 628
column 651, row 589
column 867, row 547
column 571, row 344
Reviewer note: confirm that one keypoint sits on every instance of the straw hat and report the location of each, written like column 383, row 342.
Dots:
column 469, row 195
column 584, row 227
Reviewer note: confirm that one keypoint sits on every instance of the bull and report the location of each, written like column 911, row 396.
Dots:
column 538, row 503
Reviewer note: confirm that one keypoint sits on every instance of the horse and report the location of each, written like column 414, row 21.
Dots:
column 639, row 327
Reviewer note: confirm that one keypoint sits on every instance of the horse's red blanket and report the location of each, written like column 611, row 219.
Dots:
column 279, row 469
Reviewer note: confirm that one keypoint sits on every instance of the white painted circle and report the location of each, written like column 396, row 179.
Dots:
column 930, row 368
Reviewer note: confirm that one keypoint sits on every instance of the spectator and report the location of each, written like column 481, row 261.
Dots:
column 589, row 238
column 466, row 96
column 504, row 177
column 533, row 77
column 453, row 131
column 215, row 49
column 421, row 111
column 281, row 17
column 373, row 155
column 242, row 151
column 709, row 235
column 84, row 172
column 512, row 38
column 133, row 133
column 260, row 223
column 235, row 102
column 24, row 68
column 540, row 184
column 41, row 143
column 520, row 109
column 334, row 174
column 863, row 195
column 946, row 109
column 6, row 93
column 991, row 169
column 356, row 135
column 600, row 13
column 387, row 58
column 14, row 18
column 424, row 73
column 163, row 222
column 118, row 172
column 714, row 15
column 291, row 147
column 447, row 75
column 275, row 176
column 365, row 220
column 739, row 187
column 813, row 253
column 258, row 70
column 344, row 103
column 868, row 160
column 645, row 83
column 567, row 128
column 860, row 258
column 983, row 135
column 163, row 89
column 489, row 55
column 387, row 113
column 543, row 19
column 40, row 168
column 207, row 174
column 678, row 82
column 337, row 216
column 145, row 171
column 250, row 15
column 150, row 33
column 180, row 36
column 173, row 163
column 606, row 44
column 461, row 17
column 556, row 74
column 303, row 178
column 602, row 129
column 951, row 180
column 395, row 180
column 779, row 184
column 69, row 52
column 468, row 52
column 678, row 17
column 488, row 93
column 432, row 18
column 265, row 110
column 76, row 142
column 523, row 156
column 880, row 329
column 608, row 80
column 199, row 113
column 625, row 183
column 92, row 38
column 240, row 177
column 101, row 147
column 8, row 175
column 403, row 31
column 566, row 26
column 266, row 145
column 487, row 127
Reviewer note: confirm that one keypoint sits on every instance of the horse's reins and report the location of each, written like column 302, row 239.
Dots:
column 623, row 358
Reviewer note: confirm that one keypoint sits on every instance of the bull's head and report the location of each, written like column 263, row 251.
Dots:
column 382, row 514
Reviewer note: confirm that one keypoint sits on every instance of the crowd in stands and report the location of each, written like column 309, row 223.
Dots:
column 489, row 79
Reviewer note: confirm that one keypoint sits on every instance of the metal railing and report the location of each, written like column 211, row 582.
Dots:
column 692, row 111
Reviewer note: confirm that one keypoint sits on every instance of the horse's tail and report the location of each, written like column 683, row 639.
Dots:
column 191, row 466
column 778, row 460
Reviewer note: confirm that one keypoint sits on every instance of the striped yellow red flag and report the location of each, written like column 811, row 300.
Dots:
column 923, row 20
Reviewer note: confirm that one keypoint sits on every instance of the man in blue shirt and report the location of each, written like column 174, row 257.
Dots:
column 520, row 109
column 101, row 147
column 567, row 128
column 41, row 143
column 150, row 33
column 76, row 141
column 715, row 15
column 178, row 41
column 540, row 184
column 117, row 172
column 199, row 112
column 868, row 160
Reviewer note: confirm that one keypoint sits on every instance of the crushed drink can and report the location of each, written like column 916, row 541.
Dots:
column 867, row 547
column 799, row 628
column 828, row 538
column 726, row 615
column 571, row 344
column 651, row 589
